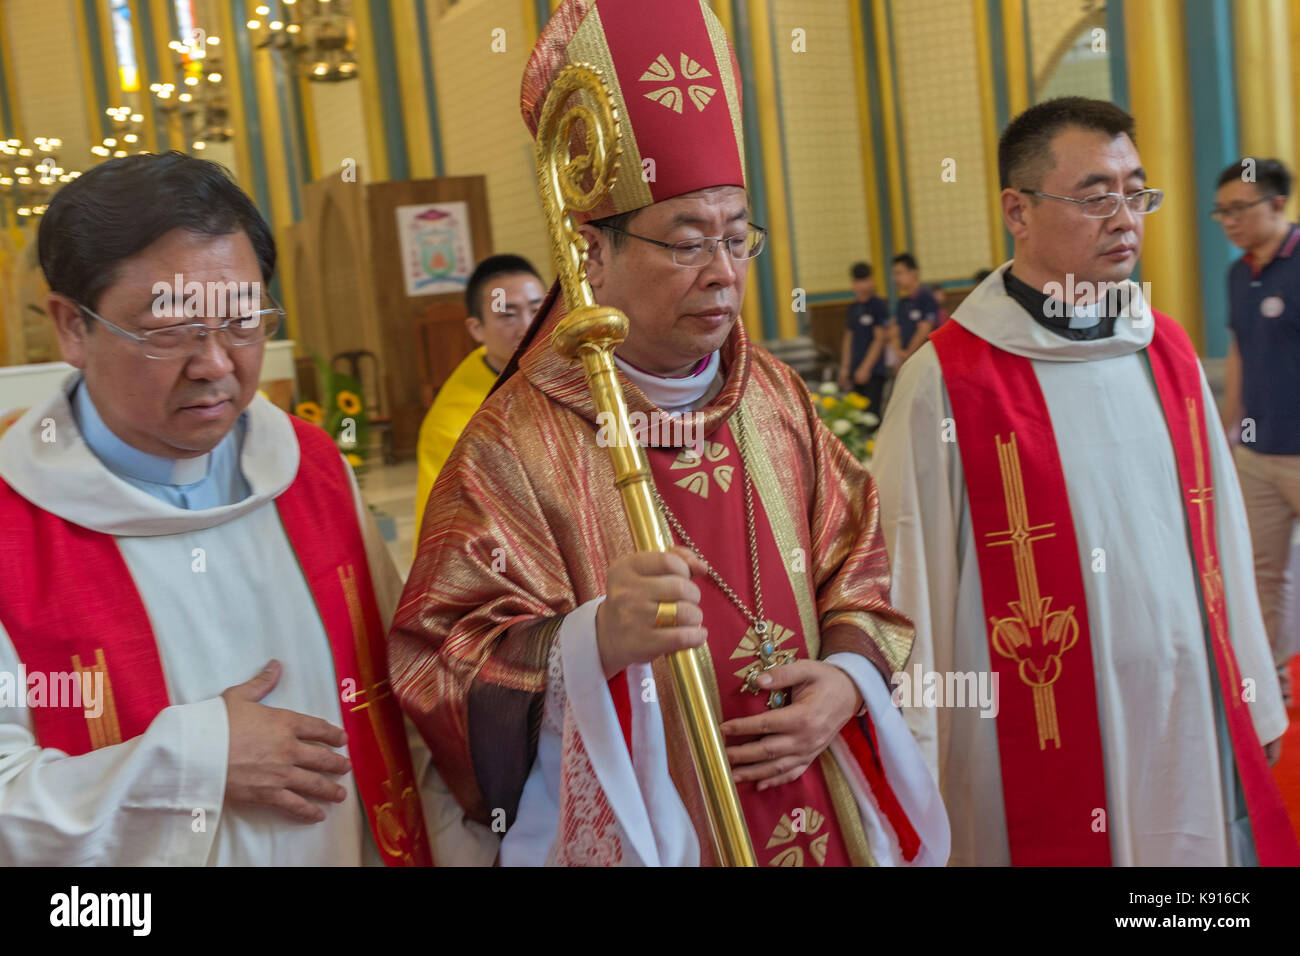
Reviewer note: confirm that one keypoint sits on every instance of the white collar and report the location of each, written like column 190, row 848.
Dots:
column 66, row 478
column 676, row 395
column 127, row 460
column 997, row 318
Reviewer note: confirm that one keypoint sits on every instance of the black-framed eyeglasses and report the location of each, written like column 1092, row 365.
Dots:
column 184, row 339
column 696, row 253
column 1105, row 205
column 1222, row 213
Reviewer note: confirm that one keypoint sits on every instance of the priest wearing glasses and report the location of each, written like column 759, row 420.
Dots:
column 530, row 645
column 195, row 568
column 1061, row 510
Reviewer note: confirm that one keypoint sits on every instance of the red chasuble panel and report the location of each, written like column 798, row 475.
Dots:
column 794, row 824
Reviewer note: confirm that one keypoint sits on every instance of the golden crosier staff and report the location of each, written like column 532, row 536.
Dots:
column 590, row 333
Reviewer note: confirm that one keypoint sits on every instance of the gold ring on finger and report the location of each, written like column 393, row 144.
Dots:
column 666, row 615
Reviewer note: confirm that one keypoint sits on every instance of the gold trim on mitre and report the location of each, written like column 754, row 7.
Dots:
column 588, row 45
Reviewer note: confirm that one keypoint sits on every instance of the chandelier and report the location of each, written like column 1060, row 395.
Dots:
column 27, row 182
column 198, row 96
column 316, row 37
column 124, row 137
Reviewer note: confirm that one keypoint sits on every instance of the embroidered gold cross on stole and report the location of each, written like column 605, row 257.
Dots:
column 765, row 647
column 1202, row 496
column 105, row 729
column 1033, row 635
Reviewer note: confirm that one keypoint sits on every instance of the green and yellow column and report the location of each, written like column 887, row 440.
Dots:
column 780, row 251
column 751, row 312
column 866, row 136
column 1015, row 47
column 153, row 132
column 411, row 82
column 1266, row 79
column 992, row 104
column 1159, row 102
column 891, row 133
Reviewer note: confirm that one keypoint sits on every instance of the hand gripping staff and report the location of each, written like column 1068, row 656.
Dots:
column 590, row 333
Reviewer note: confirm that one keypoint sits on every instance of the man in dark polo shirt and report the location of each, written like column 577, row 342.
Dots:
column 862, row 362
column 916, row 312
column 1262, row 400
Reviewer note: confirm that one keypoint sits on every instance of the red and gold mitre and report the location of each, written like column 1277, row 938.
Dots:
column 675, row 83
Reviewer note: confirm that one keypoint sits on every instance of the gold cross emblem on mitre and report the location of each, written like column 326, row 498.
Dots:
column 661, row 71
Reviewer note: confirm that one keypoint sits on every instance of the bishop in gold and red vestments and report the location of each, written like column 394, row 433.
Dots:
column 493, row 650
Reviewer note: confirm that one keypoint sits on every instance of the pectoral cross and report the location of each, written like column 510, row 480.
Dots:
column 758, row 642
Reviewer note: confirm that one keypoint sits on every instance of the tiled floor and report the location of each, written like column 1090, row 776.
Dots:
column 390, row 491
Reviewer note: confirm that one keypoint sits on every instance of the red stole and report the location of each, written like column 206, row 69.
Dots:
column 794, row 824
column 1177, row 376
column 1049, row 739
column 68, row 602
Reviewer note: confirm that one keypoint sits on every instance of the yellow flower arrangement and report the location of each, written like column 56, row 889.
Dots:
column 847, row 417
column 349, row 403
column 310, row 412
column 354, row 460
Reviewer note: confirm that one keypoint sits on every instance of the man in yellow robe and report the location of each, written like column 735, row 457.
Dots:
column 530, row 646
column 502, row 296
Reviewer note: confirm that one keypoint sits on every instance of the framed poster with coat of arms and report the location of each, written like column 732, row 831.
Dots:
column 436, row 249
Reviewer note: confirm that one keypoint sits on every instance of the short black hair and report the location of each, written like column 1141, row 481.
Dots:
column 861, row 270
column 121, row 207
column 907, row 259
column 1025, row 149
column 981, row 275
column 491, row 268
column 1271, row 175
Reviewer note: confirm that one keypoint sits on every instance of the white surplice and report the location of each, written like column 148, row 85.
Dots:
column 650, row 821
column 159, row 798
column 1164, row 753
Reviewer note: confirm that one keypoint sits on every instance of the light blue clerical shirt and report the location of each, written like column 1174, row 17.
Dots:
column 206, row 481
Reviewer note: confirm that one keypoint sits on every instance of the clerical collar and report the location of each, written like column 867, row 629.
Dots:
column 675, row 394
column 1075, row 322
column 131, row 462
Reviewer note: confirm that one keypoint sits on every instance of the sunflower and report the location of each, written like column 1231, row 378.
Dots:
column 354, row 460
column 856, row 400
column 349, row 403
column 310, row 412
column 829, row 402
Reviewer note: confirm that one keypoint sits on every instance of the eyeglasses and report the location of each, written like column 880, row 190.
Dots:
column 696, row 253
column 185, row 339
column 1221, row 213
column 1107, row 204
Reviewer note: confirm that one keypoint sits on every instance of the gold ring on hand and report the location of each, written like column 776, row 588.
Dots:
column 666, row 615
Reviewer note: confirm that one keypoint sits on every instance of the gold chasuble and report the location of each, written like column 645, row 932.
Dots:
column 525, row 521
column 526, row 518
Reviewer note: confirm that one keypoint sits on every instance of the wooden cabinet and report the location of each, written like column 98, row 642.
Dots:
column 351, row 294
